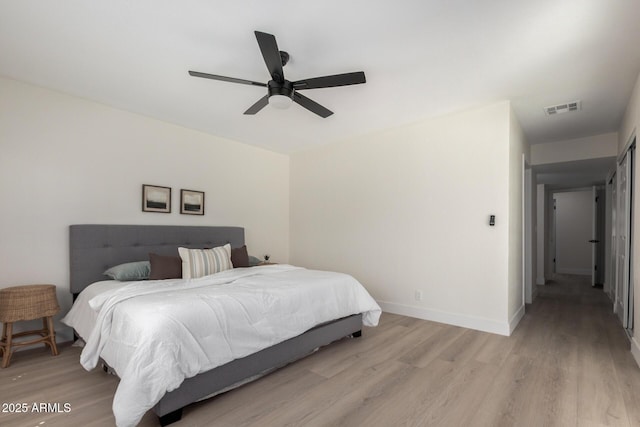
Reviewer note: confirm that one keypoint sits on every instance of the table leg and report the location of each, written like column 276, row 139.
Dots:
column 7, row 332
column 52, row 336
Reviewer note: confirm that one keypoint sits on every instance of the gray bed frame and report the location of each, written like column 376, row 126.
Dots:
column 96, row 247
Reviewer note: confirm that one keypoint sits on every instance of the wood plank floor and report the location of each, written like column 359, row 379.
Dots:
column 567, row 364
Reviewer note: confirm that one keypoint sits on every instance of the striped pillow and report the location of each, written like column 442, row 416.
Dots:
column 203, row 262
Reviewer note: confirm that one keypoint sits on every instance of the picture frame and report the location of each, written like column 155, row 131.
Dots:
column 191, row 202
column 156, row 198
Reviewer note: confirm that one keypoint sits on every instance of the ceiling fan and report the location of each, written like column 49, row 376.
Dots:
column 280, row 91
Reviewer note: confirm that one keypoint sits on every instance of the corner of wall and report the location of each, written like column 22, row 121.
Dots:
column 518, row 149
column 515, row 319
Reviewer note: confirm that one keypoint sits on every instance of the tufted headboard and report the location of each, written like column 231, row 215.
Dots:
column 96, row 247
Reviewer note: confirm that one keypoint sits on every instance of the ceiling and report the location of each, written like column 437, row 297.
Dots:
column 422, row 58
column 575, row 174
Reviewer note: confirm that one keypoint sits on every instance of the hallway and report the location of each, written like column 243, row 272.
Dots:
column 587, row 366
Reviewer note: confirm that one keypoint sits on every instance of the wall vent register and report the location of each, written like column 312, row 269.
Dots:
column 563, row 108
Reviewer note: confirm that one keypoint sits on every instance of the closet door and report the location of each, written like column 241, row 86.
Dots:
column 623, row 222
column 613, row 270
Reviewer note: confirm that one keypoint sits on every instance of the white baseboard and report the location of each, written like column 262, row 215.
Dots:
column 581, row 271
column 463, row 320
column 635, row 350
column 515, row 319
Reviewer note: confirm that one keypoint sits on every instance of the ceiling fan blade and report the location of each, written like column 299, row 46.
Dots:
column 331, row 81
column 312, row 106
column 259, row 105
column 271, row 55
column 225, row 79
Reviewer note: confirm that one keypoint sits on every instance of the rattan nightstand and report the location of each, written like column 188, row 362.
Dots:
column 27, row 302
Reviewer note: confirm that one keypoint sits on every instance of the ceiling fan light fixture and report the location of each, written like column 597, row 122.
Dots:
column 280, row 94
column 280, row 102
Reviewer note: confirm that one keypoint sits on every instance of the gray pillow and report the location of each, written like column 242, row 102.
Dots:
column 253, row 261
column 138, row 270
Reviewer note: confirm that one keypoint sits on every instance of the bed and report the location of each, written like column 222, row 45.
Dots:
column 96, row 247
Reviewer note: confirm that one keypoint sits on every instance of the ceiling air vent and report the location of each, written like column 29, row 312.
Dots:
column 563, row 108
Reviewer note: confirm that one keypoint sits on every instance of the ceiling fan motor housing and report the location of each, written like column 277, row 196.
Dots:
column 276, row 88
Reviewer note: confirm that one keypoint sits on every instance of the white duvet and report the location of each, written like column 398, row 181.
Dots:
column 157, row 333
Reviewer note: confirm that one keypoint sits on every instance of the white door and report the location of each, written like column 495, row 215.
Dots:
column 527, row 248
column 622, row 249
column 631, row 154
column 594, row 236
column 613, row 184
column 552, row 233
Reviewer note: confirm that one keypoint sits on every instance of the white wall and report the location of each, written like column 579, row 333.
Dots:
column 629, row 130
column 631, row 119
column 65, row 160
column 408, row 208
column 573, row 232
column 591, row 147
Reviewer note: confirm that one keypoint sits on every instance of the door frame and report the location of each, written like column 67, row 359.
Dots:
column 527, row 233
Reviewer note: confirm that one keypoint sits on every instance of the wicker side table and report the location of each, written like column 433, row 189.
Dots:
column 27, row 302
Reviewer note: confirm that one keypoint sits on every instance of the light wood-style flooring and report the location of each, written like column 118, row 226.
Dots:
column 567, row 364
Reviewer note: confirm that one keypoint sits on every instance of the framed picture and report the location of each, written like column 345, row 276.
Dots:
column 191, row 202
column 156, row 198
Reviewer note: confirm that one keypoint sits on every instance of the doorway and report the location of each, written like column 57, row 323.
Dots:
column 574, row 226
column 597, row 240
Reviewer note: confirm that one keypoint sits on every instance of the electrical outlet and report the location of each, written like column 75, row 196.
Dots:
column 418, row 295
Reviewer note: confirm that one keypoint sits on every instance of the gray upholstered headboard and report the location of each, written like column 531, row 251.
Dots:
column 96, row 247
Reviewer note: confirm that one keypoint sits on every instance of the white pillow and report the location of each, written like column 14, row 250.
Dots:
column 203, row 262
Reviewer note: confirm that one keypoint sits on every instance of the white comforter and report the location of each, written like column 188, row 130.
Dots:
column 157, row 333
